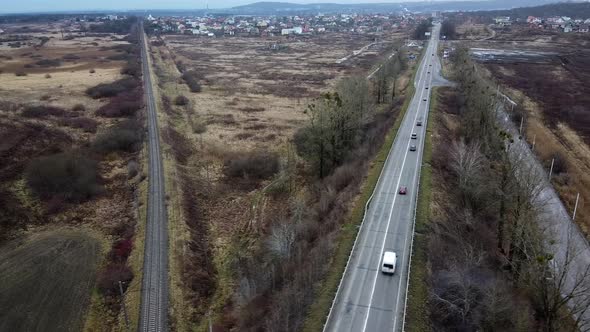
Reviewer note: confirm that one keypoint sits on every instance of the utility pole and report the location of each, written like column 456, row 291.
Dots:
column 551, row 169
column 576, row 207
column 123, row 303
column 534, row 140
column 521, row 123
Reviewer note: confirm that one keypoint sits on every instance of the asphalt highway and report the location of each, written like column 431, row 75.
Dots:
column 368, row 300
column 154, row 296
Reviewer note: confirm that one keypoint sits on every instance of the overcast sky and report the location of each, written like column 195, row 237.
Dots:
column 16, row 6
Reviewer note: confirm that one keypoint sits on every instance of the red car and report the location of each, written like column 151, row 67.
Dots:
column 403, row 190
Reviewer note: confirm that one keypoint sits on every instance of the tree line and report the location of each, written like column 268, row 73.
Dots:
column 488, row 251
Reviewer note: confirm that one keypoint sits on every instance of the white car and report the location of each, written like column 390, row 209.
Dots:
column 414, row 135
column 389, row 260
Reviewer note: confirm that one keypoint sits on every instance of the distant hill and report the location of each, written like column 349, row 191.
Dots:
column 277, row 8
column 574, row 10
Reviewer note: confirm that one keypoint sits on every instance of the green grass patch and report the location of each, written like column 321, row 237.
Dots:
column 320, row 309
column 417, row 316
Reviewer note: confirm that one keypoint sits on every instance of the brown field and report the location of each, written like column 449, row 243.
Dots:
column 239, row 75
column 252, row 99
column 55, row 76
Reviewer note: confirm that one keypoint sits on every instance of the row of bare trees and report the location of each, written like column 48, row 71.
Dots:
column 489, row 251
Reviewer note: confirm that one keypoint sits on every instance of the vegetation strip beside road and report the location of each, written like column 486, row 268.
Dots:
column 320, row 309
column 417, row 305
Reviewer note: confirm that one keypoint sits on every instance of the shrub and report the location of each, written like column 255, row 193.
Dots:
column 79, row 108
column 124, row 105
column 252, row 109
column 132, row 68
column 108, row 280
column 118, row 57
column 72, row 177
column 47, row 76
column 132, row 169
column 191, row 78
column 125, row 136
column 112, row 89
column 45, row 97
column 181, row 100
column 70, row 57
column 92, row 71
column 86, row 124
column 20, row 73
column 256, row 165
column 49, row 63
column 41, row 111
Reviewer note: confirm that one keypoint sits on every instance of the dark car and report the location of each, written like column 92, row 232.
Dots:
column 419, row 123
column 426, row 88
column 403, row 190
column 412, row 148
column 424, row 99
column 429, row 72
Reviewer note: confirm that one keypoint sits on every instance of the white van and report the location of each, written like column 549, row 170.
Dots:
column 389, row 260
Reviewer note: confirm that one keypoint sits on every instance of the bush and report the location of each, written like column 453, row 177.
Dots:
column 79, row 108
column 47, row 76
column 191, row 78
column 92, row 71
column 86, row 124
column 72, row 177
column 181, row 100
column 70, row 57
column 125, row 105
column 132, row 68
column 125, row 136
column 257, row 165
column 132, row 169
column 20, row 73
column 108, row 280
column 118, row 57
column 112, row 89
column 41, row 111
column 49, row 63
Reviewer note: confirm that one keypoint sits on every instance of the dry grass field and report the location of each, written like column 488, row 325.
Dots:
column 46, row 111
column 253, row 93
column 253, row 96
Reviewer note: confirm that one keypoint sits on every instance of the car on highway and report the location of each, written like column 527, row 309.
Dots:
column 426, row 88
column 429, row 72
column 419, row 123
column 403, row 190
column 424, row 99
column 414, row 135
column 389, row 262
column 412, row 148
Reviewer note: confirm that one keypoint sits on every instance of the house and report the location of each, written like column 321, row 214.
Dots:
column 584, row 28
column 1, row 31
column 503, row 21
column 533, row 20
column 292, row 31
column 568, row 28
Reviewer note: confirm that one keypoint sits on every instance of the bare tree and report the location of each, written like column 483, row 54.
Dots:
column 558, row 283
column 467, row 163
